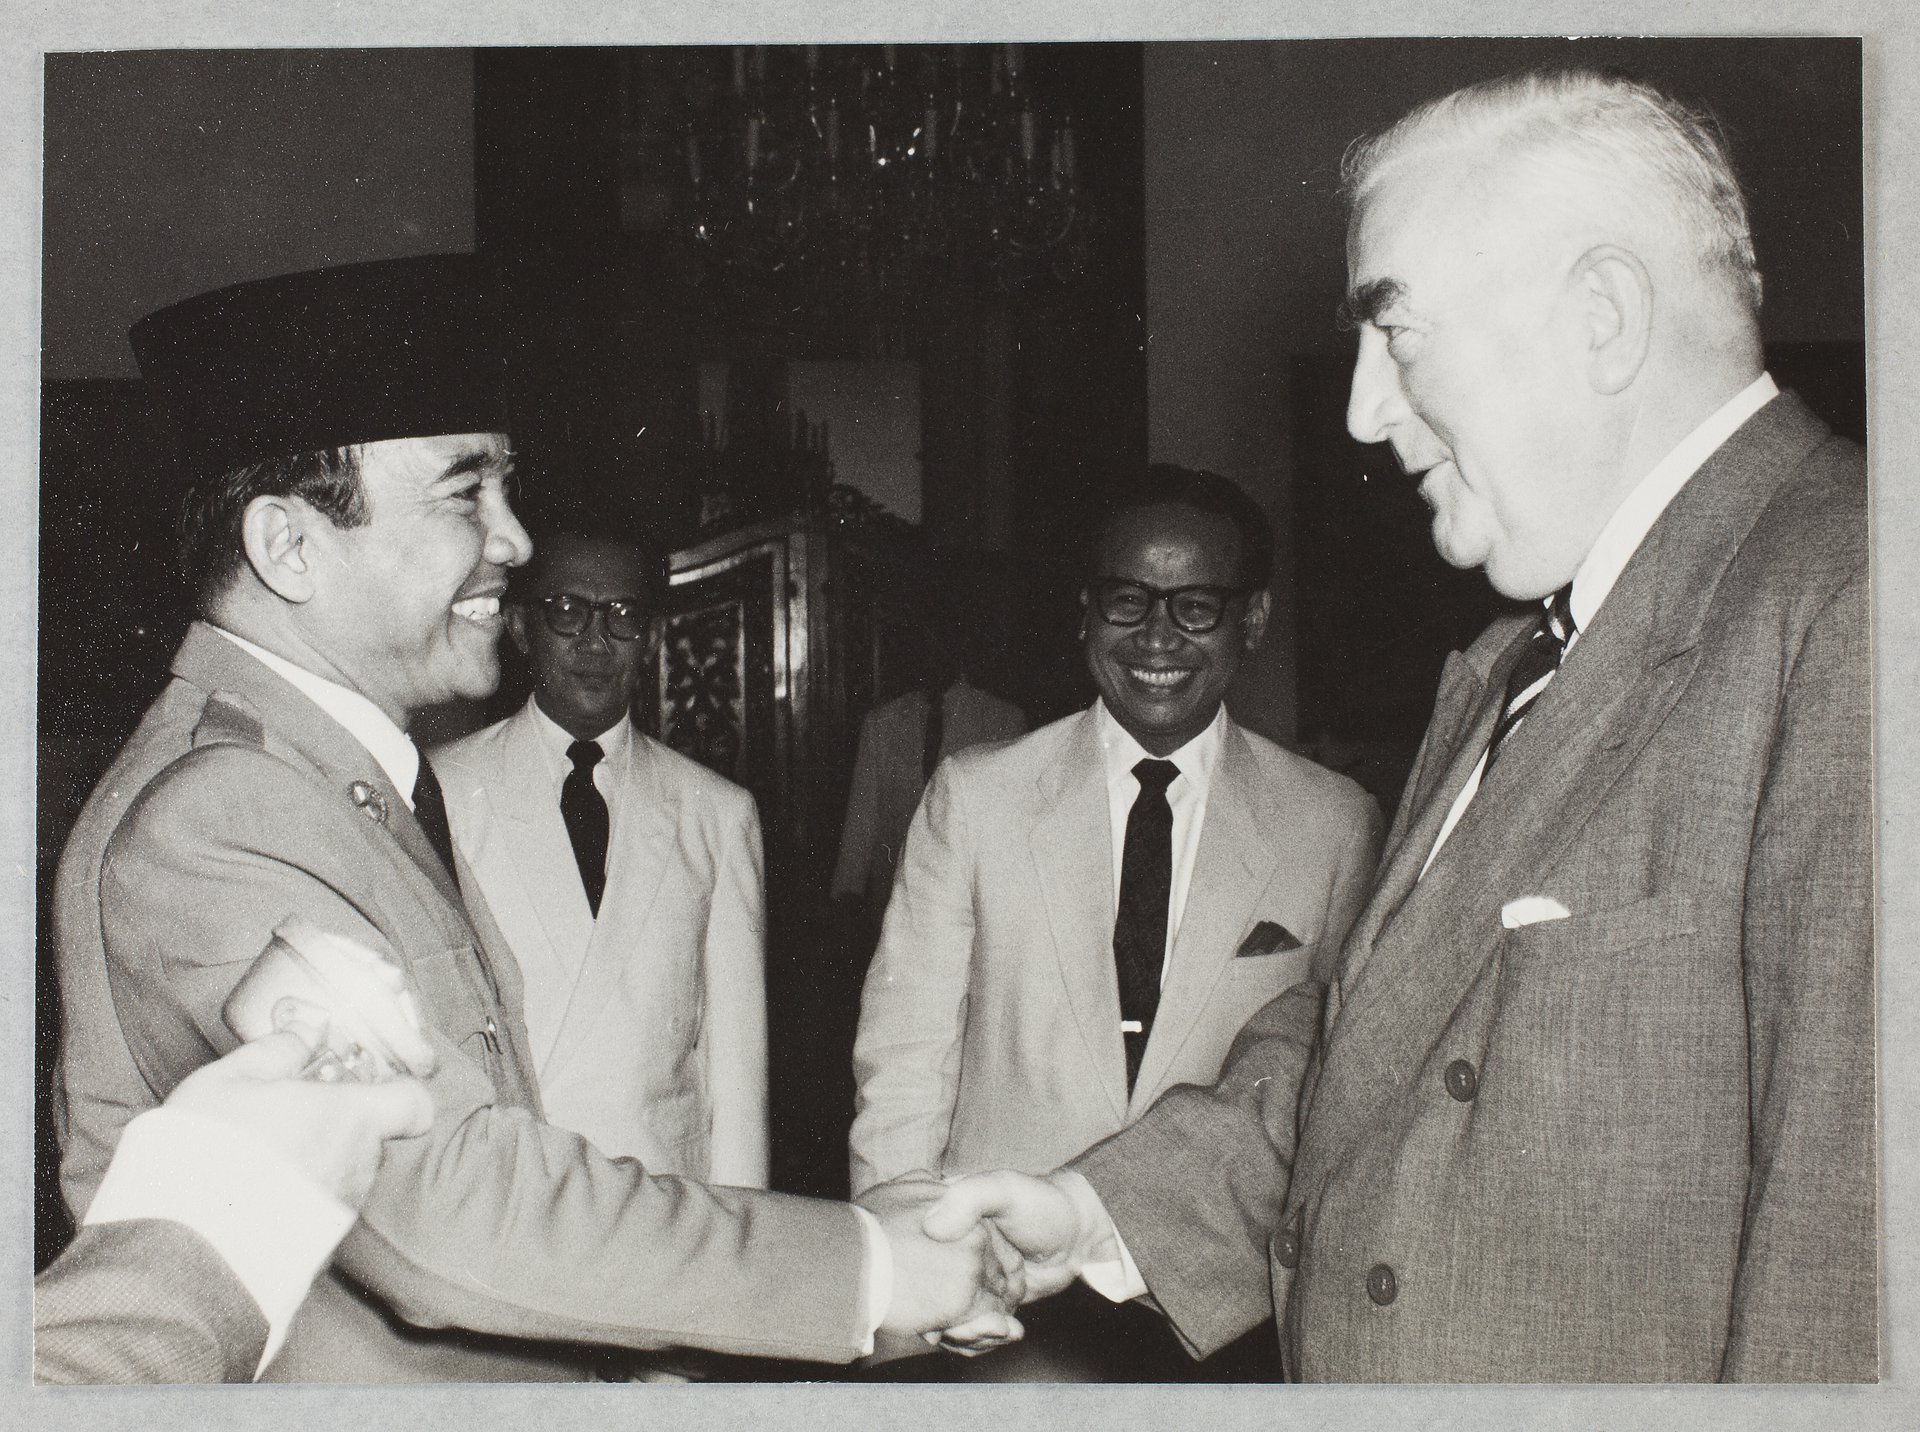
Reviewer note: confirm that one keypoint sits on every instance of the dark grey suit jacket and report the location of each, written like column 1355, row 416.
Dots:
column 1632, row 1144
column 143, row 1301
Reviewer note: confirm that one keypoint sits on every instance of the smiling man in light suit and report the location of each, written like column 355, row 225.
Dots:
column 1593, row 1095
column 625, row 878
column 1086, row 916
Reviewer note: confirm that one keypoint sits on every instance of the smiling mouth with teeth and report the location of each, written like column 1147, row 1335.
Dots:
column 1157, row 678
column 478, row 609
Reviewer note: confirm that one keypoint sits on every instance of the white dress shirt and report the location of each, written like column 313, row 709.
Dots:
column 271, row 1224
column 364, row 721
column 1187, row 796
column 613, row 743
column 1623, row 534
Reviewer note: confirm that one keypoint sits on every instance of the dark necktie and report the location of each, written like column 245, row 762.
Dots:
column 1534, row 669
column 1140, row 928
column 585, row 811
column 430, row 810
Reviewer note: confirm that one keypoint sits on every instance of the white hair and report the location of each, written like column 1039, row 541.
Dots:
column 1656, row 147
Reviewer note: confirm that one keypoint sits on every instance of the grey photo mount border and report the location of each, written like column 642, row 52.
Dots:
column 1891, row 36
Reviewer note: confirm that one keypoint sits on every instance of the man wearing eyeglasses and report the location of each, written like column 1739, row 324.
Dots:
column 1086, row 916
column 626, row 879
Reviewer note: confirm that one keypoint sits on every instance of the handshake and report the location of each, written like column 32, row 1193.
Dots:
column 967, row 1254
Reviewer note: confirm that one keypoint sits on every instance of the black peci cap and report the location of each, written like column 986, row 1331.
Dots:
column 399, row 348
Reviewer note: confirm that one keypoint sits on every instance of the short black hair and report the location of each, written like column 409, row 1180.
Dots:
column 653, row 561
column 1163, row 484
column 211, row 548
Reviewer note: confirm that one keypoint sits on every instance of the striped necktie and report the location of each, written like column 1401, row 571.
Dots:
column 1534, row 669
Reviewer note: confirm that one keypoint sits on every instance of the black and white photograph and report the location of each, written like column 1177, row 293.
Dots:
column 790, row 720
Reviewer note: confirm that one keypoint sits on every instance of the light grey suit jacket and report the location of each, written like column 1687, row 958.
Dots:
column 990, row 1024
column 1633, row 1144
column 647, row 1024
column 230, row 809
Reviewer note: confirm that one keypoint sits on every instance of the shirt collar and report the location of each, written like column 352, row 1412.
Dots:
column 364, row 721
column 1196, row 760
column 1634, row 518
column 555, row 738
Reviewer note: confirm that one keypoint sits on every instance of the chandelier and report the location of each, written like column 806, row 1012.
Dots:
column 891, row 169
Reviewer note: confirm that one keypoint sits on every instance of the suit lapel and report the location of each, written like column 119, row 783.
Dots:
column 1236, row 863
column 540, row 853
column 215, row 665
column 643, row 832
column 1618, row 684
column 1071, row 841
column 1462, row 721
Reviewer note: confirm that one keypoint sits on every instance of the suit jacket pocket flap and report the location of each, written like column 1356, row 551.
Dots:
column 1621, row 927
column 456, row 1000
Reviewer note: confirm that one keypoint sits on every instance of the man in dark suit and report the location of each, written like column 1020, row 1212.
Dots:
column 1592, row 1096
column 348, row 538
column 217, row 1210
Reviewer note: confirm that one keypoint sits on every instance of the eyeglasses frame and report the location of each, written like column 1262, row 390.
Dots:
column 603, row 610
column 1158, row 596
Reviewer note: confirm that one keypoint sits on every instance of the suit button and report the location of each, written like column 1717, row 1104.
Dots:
column 1286, row 1250
column 1381, row 1286
column 1462, row 1082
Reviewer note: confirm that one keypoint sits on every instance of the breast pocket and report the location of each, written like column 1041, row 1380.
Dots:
column 459, row 1002
column 1600, row 934
column 1630, row 1018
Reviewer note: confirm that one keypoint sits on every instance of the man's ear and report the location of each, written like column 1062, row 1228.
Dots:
column 1253, row 623
column 1081, row 635
column 516, row 614
column 276, row 535
column 1616, row 292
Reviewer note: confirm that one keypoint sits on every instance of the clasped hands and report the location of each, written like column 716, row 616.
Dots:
column 967, row 1253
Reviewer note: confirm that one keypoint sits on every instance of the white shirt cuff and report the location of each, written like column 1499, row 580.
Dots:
column 272, row 1224
column 1115, row 1278
column 877, row 1280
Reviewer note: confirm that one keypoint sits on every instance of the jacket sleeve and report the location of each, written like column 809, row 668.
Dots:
column 143, row 1301
column 1806, row 1291
column 734, row 1026
column 1195, row 1187
column 494, row 1221
column 906, row 1056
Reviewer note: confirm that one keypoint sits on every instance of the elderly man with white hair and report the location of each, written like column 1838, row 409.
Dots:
column 1590, row 1093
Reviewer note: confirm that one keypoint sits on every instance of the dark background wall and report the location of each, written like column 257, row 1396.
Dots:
column 168, row 174
column 1245, row 257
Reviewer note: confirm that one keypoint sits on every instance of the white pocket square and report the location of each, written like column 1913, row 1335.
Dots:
column 1531, row 910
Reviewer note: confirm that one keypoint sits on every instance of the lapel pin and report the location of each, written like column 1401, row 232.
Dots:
column 369, row 800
